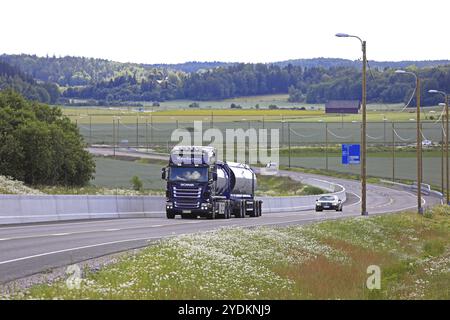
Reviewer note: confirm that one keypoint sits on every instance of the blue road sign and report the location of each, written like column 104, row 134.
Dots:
column 351, row 154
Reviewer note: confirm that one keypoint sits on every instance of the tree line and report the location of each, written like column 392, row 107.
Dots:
column 13, row 78
column 310, row 85
column 305, row 80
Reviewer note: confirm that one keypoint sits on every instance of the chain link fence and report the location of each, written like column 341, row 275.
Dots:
column 391, row 145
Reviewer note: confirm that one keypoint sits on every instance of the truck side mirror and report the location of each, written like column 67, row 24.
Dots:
column 164, row 173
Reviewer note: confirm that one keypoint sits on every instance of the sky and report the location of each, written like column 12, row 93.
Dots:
column 175, row 31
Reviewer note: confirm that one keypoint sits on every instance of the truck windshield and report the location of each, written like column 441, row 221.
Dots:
column 188, row 174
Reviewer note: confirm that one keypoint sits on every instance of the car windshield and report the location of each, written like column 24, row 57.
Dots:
column 188, row 174
column 326, row 198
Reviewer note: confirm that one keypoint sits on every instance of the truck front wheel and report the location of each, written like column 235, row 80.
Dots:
column 170, row 215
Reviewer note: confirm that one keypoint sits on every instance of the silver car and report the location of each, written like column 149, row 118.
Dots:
column 329, row 202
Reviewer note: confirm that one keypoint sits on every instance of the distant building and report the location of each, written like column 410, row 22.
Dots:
column 342, row 106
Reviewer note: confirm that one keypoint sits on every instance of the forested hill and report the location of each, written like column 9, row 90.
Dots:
column 194, row 66
column 13, row 78
column 74, row 71
column 335, row 62
column 306, row 80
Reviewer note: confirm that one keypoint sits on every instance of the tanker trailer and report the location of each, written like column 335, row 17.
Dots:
column 200, row 185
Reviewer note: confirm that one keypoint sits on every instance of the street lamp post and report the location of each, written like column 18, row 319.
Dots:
column 446, row 142
column 363, row 125
column 418, row 140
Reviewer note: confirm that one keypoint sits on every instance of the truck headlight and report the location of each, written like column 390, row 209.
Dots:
column 169, row 205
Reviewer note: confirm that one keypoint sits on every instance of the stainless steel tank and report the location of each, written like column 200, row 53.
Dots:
column 243, row 179
column 222, row 180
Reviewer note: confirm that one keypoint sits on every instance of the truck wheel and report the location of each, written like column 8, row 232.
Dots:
column 254, row 213
column 170, row 215
column 212, row 214
column 242, row 209
column 227, row 210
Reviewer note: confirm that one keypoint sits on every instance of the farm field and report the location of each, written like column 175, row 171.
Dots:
column 405, row 167
column 104, row 115
column 219, row 111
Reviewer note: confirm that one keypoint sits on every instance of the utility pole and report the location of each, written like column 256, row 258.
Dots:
column 137, row 132
column 326, row 146
column 418, row 141
column 364, row 124
column 442, row 158
column 146, row 133
column 393, row 151
column 363, row 136
column 446, row 148
column 289, row 141
column 419, row 149
column 90, row 130
column 114, row 137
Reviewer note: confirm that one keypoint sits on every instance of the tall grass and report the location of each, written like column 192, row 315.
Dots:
column 326, row 260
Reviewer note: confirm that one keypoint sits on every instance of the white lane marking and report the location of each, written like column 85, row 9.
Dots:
column 76, row 248
column 57, row 224
column 354, row 204
column 99, row 230
column 4, row 239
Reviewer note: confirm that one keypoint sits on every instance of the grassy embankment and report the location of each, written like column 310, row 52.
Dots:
column 327, row 260
column 113, row 178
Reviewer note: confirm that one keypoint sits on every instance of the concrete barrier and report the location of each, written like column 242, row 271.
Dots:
column 42, row 208
column 33, row 208
column 299, row 203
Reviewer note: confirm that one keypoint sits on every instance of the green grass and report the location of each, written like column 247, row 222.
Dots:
column 170, row 111
column 351, row 176
column 325, row 260
column 374, row 151
column 284, row 186
column 113, row 177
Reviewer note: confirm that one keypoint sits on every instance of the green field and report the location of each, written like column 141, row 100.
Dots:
column 219, row 111
column 299, row 128
column 112, row 174
column 327, row 260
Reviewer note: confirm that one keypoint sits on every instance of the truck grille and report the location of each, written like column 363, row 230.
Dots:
column 187, row 198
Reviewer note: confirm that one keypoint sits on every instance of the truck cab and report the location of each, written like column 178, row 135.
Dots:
column 191, row 177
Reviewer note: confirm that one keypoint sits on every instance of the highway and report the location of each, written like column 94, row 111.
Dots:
column 33, row 248
column 29, row 249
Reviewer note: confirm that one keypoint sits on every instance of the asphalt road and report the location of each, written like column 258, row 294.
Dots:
column 30, row 249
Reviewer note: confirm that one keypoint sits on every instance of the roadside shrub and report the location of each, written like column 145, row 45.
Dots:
column 137, row 183
column 311, row 190
column 39, row 145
